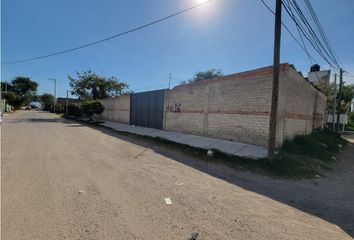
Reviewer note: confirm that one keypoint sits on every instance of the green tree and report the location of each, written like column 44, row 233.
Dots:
column 20, row 92
column 14, row 100
column 88, row 85
column 6, row 87
column 24, row 86
column 47, row 101
column 327, row 89
column 347, row 93
column 209, row 74
column 92, row 107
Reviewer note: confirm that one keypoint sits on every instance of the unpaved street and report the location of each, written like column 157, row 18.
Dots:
column 64, row 180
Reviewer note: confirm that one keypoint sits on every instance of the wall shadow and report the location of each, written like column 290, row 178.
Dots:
column 330, row 198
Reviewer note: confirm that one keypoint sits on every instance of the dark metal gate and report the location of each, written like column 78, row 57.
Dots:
column 146, row 109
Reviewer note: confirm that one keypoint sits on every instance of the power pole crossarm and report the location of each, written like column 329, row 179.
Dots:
column 275, row 84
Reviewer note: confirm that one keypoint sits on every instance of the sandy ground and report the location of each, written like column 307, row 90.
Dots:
column 63, row 180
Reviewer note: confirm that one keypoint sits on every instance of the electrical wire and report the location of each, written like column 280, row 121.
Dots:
column 309, row 33
column 288, row 30
column 111, row 37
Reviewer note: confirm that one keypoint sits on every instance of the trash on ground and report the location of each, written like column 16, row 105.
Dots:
column 168, row 201
column 81, row 192
column 179, row 183
column 194, row 236
column 210, row 153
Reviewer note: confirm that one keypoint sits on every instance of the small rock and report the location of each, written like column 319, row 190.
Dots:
column 194, row 236
column 210, row 153
column 340, row 145
column 334, row 158
column 318, row 176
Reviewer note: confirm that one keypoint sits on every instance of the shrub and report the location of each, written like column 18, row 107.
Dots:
column 92, row 107
column 59, row 108
column 73, row 110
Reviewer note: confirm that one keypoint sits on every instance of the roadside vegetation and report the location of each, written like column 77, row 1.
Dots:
column 350, row 125
column 20, row 92
column 306, row 156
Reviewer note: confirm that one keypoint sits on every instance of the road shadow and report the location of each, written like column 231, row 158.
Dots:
column 36, row 120
column 330, row 198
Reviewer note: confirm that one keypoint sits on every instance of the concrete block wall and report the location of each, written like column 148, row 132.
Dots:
column 237, row 107
column 117, row 109
column 234, row 107
column 301, row 106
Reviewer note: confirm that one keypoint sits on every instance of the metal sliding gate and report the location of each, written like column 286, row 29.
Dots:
column 147, row 109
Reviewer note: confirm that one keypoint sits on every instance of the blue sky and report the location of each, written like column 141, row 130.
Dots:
column 232, row 35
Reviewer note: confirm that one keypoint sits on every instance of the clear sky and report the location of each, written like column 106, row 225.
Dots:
column 232, row 35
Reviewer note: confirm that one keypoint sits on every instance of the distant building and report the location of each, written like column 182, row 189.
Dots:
column 316, row 75
column 62, row 100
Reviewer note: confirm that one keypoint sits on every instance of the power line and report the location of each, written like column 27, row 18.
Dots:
column 322, row 32
column 194, row 31
column 351, row 5
column 288, row 30
column 111, row 37
column 309, row 33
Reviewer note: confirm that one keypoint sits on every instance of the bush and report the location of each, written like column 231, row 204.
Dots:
column 350, row 125
column 59, row 108
column 74, row 110
column 92, row 107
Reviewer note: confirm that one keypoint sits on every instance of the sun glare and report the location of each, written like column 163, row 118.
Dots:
column 201, row 1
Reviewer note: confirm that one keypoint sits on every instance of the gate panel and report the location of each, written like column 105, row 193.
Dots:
column 147, row 109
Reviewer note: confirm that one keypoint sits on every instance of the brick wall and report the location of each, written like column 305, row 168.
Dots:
column 116, row 109
column 301, row 106
column 237, row 107
column 234, row 107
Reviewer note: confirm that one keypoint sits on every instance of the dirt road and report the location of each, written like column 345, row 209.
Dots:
column 63, row 180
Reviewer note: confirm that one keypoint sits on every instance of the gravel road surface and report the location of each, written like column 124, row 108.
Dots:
column 63, row 180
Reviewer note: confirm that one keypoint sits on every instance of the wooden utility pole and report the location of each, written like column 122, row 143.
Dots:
column 275, row 84
column 334, row 103
column 339, row 96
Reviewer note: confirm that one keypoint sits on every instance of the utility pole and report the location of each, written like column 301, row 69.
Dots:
column 55, row 92
column 67, row 102
column 334, row 103
column 339, row 96
column 275, row 84
column 169, row 81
